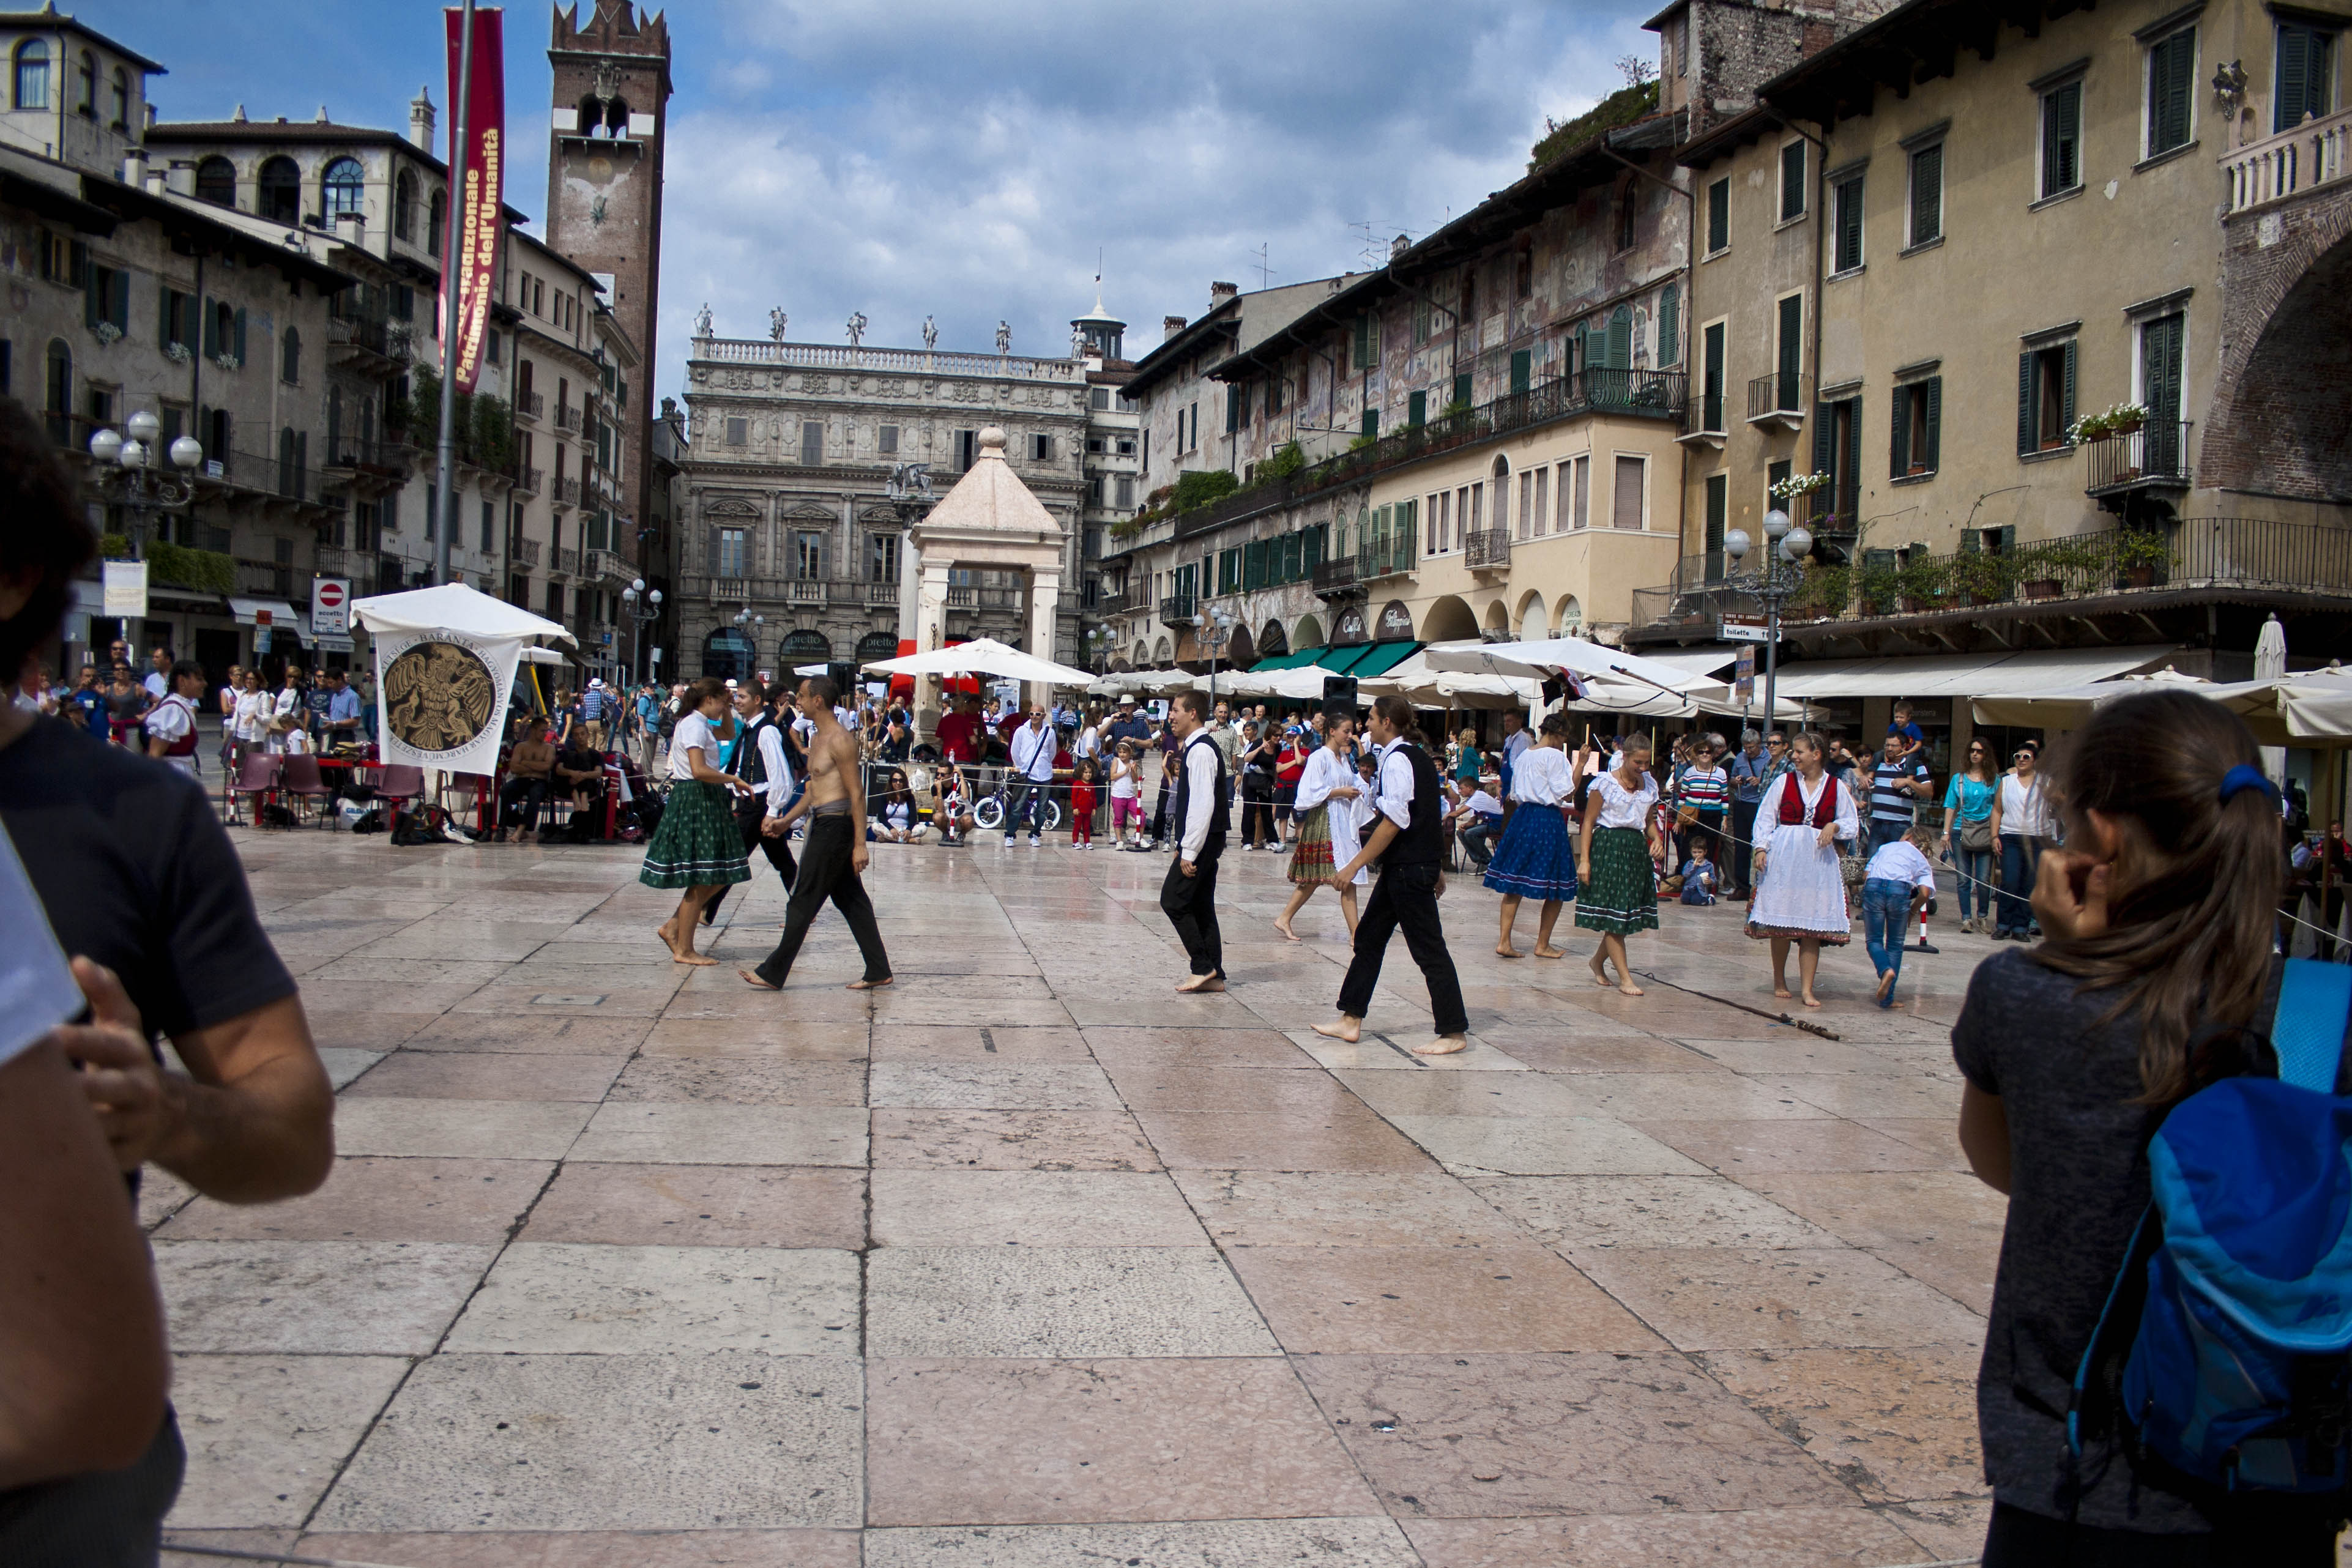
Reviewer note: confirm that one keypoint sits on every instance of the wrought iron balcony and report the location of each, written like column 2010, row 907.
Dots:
column 532, row 405
column 2153, row 457
column 523, row 553
column 1778, row 399
column 567, row 417
column 567, row 491
column 1336, row 578
column 1180, row 610
column 527, row 480
column 1488, row 549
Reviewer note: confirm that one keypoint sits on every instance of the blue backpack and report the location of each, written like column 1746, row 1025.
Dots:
column 2224, row 1351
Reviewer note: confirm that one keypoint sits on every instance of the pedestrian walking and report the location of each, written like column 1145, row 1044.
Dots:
column 2021, row 820
column 1536, row 859
column 1408, row 847
column 1897, row 883
column 757, row 757
column 1200, row 819
column 1329, row 803
column 833, row 853
column 1801, row 890
column 1617, row 850
column 1967, row 833
column 697, row 848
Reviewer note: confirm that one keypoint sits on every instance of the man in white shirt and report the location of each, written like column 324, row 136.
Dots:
column 1200, row 819
column 159, row 674
column 1034, row 747
column 758, row 758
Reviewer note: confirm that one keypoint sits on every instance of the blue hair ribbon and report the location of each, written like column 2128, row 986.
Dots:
column 2245, row 776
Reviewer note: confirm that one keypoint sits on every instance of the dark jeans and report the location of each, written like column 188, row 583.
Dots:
column 1886, row 915
column 109, row 1519
column 1160, row 807
column 1740, row 858
column 750, row 812
column 1474, row 842
column 1191, row 904
column 529, row 794
column 1258, row 813
column 2017, row 1539
column 1031, row 810
column 1975, row 868
column 1880, row 833
column 1405, row 896
column 824, row 873
column 2021, row 857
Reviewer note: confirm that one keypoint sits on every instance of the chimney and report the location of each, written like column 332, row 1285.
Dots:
column 182, row 179
column 150, row 117
column 1220, row 292
column 420, row 120
column 1170, row 326
column 156, row 185
column 134, row 168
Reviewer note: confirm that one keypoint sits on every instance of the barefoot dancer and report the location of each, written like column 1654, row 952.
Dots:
column 697, row 847
column 1407, row 843
column 1326, row 812
column 1619, row 885
column 1188, row 896
column 1535, row 859
column 1801, row 897
column 833, row 852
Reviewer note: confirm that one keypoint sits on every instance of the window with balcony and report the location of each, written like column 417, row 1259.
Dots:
column 1711, row 375
column 2172, row 114
column 1837, row 451
column 881, row 558
column 2061, row 138
column 731, row 552
column 1670, row 327
column 2300, row 91
column 1718, row 507
column 1915, row 428
column 2046, row 397
column 808, row 555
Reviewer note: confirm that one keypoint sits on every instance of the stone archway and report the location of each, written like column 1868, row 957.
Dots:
column 1272, row 641
column 1499, row 619
column 1532, row 625
column 2279, row 422
column 1163, row 651
column 1448, row 620
column 1308, row 634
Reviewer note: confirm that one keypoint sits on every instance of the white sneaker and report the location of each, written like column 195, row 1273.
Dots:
column 1033, row 840
column 1008, row 841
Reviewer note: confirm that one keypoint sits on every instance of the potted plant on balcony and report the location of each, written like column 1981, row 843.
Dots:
column 1980, row 578
column 1787, row 490
column 2139, row 555
column 1922, row 581
column 1823, row 592
column 2042, row 568
column 1879, row 584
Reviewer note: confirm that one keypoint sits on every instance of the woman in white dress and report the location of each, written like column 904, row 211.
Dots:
column 1328, row 827
column 1801, row 890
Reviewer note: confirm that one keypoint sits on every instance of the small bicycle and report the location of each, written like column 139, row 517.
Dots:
column 996, row 810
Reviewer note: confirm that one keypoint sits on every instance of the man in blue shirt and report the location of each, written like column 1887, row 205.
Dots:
column 341, row 725
column 1750, row 767
column 88, row 701
column 1897, row 784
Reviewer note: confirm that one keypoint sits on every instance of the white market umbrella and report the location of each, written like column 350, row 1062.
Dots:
column 452, row 607
column 1573, row 655
column 985, row 656
column 2067, row 707
column 2317, row 705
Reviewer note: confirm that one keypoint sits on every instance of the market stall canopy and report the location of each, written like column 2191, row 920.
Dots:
column 2313, row 709
column 1707, row 697
column 985, row 656
column 1966, row 674
column 2318, row 705
column 1543, row 660
column 543, row 656
column 452, row 607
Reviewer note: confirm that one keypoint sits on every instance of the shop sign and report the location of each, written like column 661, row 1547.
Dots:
column 1396, row 622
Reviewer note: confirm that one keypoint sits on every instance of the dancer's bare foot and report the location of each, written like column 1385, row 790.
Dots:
column 1812, row 1000
column 1552, row 952
column 1347, row 1028
column 1628, row 987
column 691, row 956
column 1886, row 984
column 865, row 985
column 1780, row 989
column 1284, row 927
column 1894, row 1007
column 1443, row 1045
column 749, row 978
column 1599, row 968
column 1508, row 953
column 663, row 931
column 1200, row 983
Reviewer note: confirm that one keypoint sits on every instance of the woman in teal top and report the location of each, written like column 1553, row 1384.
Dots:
column 1465, row 762
column 1968, row 815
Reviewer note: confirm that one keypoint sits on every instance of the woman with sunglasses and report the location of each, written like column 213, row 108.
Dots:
column 896, row 821
column 2023, row 817
column 1969, row 841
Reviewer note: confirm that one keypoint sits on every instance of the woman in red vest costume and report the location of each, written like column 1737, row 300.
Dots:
column 1801, row 897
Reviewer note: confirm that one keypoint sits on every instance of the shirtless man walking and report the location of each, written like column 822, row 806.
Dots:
column 833, row 854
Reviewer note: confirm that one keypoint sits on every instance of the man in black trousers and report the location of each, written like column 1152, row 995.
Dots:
column 1408, row 843
column 1199, row 822
column 758, row 758
column 834, row 853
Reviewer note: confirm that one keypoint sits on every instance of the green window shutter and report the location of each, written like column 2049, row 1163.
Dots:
column 2062, row 135
column 1670, row 325
column 239, row 349
column 2302, row 54
column 1822, row 420
column 1522, row 364
column 1791, row 345
column 1372, row 423
column 91, row 311
column 78, row 265
column 2029, row 420
column 1898, row 440
column 211, row 337
column 1719, row 216
column 1792, row 181
column 1927, row 194
column 1849, row 488
column 120, row 313
column 1462, row 389
column 1933, row 425
column 1581, row 347
column 1232, row 409
column 1848, row 218
column 1718, row 487
column 2171, row 64
column 1620, row 339
column 2008, row 539
column 2066, row 415
column 1416, row 409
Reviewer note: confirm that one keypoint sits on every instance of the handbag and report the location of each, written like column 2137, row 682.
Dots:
column 1976, row 835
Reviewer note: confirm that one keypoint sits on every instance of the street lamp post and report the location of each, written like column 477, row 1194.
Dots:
column 643, row 607
column 1776, row 580
column 750, row 626
column 128, row 471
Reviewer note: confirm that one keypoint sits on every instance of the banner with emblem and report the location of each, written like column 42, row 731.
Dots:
column 441, row 698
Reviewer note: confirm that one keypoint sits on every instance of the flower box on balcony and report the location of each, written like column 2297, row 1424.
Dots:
column 2041, row 587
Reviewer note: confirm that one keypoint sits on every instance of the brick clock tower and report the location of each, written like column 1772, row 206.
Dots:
column 604, row 201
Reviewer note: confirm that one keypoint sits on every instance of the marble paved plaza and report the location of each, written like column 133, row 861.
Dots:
column 1030, row 1263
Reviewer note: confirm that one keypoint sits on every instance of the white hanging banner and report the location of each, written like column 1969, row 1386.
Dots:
column 443, row 697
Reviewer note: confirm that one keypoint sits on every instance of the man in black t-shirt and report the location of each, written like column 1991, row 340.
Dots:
column 136, row 873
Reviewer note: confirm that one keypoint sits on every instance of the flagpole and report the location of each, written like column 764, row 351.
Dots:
column 452, row 277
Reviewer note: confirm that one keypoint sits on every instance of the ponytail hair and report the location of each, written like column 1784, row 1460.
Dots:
column 2194, row 897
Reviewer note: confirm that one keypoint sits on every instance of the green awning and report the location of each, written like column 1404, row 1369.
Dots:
column 1381, row 658
column 1284, row 661
column 1341, row 660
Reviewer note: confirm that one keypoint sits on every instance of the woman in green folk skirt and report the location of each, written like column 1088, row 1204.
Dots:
column 1617, row 882
column 697, row 847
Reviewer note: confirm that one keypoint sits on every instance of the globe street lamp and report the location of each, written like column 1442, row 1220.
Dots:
column 1776, row 580
column 642, row 606
column 128, row 471
column 749, row 625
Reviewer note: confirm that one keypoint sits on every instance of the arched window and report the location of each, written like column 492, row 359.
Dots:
column 280, row 198
column 616, row 117
column 86, row 96
column 437, row 219
column 591, row 115
column 344, row 189
column 121, row 117
column 217, row 182
column 727, row 654
column 289, row 357
column 32, row 74
column 1502, row 469
column 404, row 205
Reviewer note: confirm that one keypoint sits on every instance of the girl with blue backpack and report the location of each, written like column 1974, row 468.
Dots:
column 2164, row 1374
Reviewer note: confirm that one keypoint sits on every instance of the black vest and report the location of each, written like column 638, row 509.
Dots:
column 1423, row 840
column 748, row 765
column 1220, row 813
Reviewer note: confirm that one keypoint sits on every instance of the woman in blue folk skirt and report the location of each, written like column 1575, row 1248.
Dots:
column 697, row 847
column 1536, row 859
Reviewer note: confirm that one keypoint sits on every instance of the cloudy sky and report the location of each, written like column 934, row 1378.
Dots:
column 943, row 157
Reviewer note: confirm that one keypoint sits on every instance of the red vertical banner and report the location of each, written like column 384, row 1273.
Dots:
column 476, row 172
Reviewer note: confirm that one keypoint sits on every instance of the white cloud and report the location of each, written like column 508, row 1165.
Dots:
column 930, row 157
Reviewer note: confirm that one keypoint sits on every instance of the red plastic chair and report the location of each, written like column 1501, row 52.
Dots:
column 299, row 774
column 256, row 775
column 401, row 781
